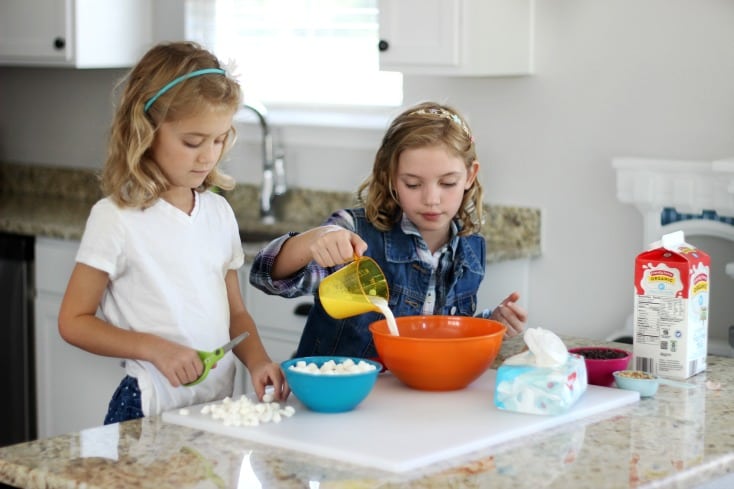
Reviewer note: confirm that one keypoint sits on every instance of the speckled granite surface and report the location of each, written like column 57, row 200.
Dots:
column 678, row 439
column 55, row 202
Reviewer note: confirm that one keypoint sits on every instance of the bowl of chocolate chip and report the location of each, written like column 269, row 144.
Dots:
column 602, row 362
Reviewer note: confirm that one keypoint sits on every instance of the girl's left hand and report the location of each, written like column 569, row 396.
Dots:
column 270, row 374
column 511, row 314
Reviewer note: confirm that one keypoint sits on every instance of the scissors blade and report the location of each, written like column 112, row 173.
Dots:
column 234, row 342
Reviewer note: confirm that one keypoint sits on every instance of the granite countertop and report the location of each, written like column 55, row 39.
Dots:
column 55, row 202
column 680, row 438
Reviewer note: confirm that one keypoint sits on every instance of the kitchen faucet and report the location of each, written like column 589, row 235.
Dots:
column 273, row 183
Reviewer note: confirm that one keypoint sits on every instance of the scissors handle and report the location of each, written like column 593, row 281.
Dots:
column 210, row 358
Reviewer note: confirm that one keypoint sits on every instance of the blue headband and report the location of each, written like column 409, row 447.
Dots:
column 178, row 80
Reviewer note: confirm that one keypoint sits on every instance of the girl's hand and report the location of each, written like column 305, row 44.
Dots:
column 179, row 364
column 270, row 374
column 334, row 245
column 509, row 313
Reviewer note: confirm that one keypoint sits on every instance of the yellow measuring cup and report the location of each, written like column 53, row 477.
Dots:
column 348, row 291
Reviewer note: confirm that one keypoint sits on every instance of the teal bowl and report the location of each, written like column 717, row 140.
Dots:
column 635, row 380
column 330, row 393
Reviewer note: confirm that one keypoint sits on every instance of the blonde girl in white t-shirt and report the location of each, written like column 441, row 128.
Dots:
column 156, row 272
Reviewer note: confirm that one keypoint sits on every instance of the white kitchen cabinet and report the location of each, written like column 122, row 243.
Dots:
column 457, row 37
column 73, row 386
column 279, row 323
column 74, row 33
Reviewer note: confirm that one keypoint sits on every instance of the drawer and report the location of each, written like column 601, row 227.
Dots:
column 270, row 311
column 55, row 259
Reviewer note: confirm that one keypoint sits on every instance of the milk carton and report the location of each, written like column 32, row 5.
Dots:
column 671, row 308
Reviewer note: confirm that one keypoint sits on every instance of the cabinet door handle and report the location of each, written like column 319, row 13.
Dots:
column 59, row 43
column 303, row 309
column 383, row 45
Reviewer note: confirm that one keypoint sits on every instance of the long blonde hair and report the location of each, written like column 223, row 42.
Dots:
column 426, row 124
column 130, row 176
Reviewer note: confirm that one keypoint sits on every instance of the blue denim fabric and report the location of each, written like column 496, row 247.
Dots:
column 459, row 274
column 125, row 403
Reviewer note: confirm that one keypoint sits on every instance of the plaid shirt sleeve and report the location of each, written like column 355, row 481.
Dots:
column 305, row 281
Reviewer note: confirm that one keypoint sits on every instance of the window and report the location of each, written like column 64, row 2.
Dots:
column 298, row 52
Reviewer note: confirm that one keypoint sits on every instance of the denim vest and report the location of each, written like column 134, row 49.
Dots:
column 408, row 279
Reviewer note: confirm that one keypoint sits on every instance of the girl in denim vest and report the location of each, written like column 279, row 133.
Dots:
column 419, row 217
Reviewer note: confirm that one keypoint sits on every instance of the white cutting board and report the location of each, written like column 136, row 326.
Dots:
column 397, row 428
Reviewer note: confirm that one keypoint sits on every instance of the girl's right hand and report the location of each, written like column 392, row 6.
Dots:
column 334, row 245
column 511, row 314
column 178, row 363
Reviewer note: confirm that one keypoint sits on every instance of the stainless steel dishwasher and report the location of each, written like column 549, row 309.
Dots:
column 18, row 409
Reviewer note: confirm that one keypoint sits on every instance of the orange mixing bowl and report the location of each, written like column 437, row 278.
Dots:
column 438, row 353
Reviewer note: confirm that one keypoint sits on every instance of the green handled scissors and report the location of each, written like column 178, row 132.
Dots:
column 210, row 358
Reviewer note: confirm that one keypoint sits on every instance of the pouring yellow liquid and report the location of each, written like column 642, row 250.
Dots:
column 343, row 306
column 355, row 289
column 347, row 291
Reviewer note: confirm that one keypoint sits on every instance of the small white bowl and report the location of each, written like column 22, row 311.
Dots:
column 636, row 380
column 644, row 383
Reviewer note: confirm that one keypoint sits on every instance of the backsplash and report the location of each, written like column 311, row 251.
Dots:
column 55, row 202
column 54, row 182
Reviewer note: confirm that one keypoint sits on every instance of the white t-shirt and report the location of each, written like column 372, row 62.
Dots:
column 166, row 271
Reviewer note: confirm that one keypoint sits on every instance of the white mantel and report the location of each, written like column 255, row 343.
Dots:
column 688, row 186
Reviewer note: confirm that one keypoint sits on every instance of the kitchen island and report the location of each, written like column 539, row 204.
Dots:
column 681, row 438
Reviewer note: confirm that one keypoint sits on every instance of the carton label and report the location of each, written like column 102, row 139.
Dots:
column 661, row 280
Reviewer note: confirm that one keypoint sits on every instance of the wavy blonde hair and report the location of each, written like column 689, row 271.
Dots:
column 130, row 176
column 425, row 124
